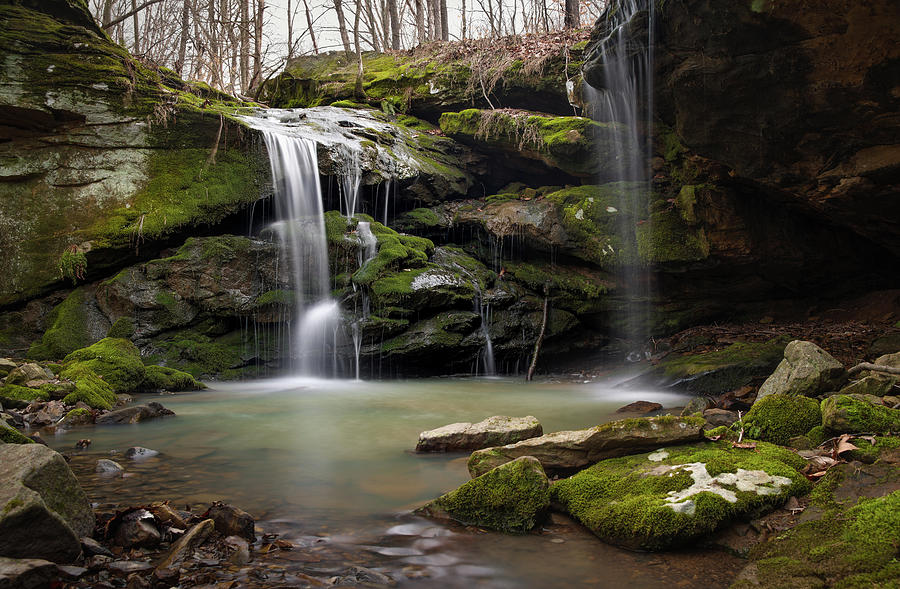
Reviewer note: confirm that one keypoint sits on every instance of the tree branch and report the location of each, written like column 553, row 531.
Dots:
column 128, row 15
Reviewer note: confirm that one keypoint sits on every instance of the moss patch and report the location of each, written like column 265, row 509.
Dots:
column 777, row 418
column 20, row 393
column 633, row 501
column 68, row 329
column 12, row 436
column 117, row 361
column 90, row 388
column 724, row 370
column 849, row 414
column 163, row 378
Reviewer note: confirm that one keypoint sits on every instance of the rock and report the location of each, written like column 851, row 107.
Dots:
column 778, row 417
column 806, row 370
column 77, row 417
column 240, row 550
column 493, row 431
column 116, row 360
column 6, row 366
column 134, row 414
column 140, row 453
column 26, row 573
column 185, row 546
column 717, row 371
column 91, row 547
column 232, row 521
column 640, row 407
column 513, row 497
column 877, row 385
column 108, row 467
column 136, row 581
column 124, row 568
column 98, row 561
column 49, row 413
column 569, row 450
column 853, row 414
column 166, row 577
column 668, row 498
column 9, row 435
column 717, row 417
column 357, row 576
column 45, row 510
column 137, row 528
column 26, row 372
column 696, row 405
column 71, row 573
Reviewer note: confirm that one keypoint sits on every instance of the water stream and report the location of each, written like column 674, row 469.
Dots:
column 328, row 463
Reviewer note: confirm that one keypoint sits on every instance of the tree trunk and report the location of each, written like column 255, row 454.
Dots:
column 257, row 43
column 395, row 25
column 309, row 24
column 107, row 13
column 182, row 42
column 464, row 19
column 573, row 14
column 420, row 21
column 136, row 25
column 342, row 26
column 245, row 46
column 445, row 25
column 359, row 71
column 436, row 26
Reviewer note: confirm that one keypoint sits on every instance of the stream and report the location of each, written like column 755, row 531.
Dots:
column 328, row 465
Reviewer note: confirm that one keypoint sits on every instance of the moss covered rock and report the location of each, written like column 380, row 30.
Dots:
column 677, row 495
column 90, row 388
column 777, row 418
column 571, row 450
column 853, row 414
column 117, row 361
column 163, row 378
column 514, row 497
column 807, row 370
column 69, row 329
column 10, row 435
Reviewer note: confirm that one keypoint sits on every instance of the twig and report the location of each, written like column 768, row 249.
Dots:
column 741, row 434
column 540, row 339
column 873, row 367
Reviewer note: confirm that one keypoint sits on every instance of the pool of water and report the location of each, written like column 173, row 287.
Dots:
column 330, row 463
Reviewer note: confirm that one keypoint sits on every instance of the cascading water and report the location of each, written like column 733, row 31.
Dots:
column 300, row 226
column 625, row 96
column 367, row 250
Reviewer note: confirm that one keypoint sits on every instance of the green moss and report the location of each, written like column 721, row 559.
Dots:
column 123, row 327
column 12, row 436
column 68, row 329
column 573, row 288
column 816, row 435
column 72, row 265
column 868, row 452
column 624, row 500
column 777, row 418
column 727, row 369
column 90, row 388
column 847, row 547
column 80, row 412
column 848, row 414
column 511, row 498
column 201, row 355
column 418, row 219
column 20, row 393
column 667, row 237
column 116, row 360
column 276, row 297
column 163, row 378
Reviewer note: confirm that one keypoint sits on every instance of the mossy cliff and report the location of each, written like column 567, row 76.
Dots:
column 102, row 155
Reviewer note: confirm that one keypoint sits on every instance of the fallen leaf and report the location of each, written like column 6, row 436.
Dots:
column 744, row 445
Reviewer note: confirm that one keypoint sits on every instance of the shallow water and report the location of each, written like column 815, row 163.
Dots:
column 330, row 463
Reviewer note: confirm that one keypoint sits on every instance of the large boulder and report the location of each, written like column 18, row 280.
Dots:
column 116, row 360
column 493, row 431
column 777, row 418
column 45, row 511
column 806, row 370
column 513, row 497
column 570, row 450
column 676, row 495
column 858, row 414
column 134, row 414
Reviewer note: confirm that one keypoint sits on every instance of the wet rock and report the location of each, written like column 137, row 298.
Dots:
column 493, row 431
column 26, row 573
column 135, row 414
column 48, row 414
column 361, row 576
column 877, row 385
column 185, row 546
column 166, row 577
column 76, row 417
column 108, row 467
column 570, row 450
column 137, row 528
column 640, row 407
column 668, row 497
column 514, row 497
column 71, row 573
column 45, row 510
column 140, row 453
column 717, row 417
column 856, row 414
column 26, row 372
column 91, row 547
column 696, row 405
column 98, row 561
column 6, row 366
column 124, row 568
column 136, row 581
column 240, row 554
column 232, row 521
column 806, row 370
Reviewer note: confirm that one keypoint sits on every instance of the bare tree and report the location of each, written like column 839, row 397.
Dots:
column 342, row 25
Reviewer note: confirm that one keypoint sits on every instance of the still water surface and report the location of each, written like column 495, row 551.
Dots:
column 330, row 462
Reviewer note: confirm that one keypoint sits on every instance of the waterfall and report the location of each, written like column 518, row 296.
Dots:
column 300, row 227
column 625, row 96
column 367, row 250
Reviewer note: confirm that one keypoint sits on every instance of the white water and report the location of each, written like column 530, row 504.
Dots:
column 627, row 97
column 367, row 250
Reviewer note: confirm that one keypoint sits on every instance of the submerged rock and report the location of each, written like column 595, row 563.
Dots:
column 134, row 414
column 676, row 495
column 806, row 370
column 640, row 407
column 513, row 497
column 570, row 450
column 140, row 453
column 493, row 431
column 45, row 510
column 108, row 467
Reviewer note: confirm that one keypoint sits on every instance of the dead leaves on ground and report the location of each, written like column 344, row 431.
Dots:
column 829, row 453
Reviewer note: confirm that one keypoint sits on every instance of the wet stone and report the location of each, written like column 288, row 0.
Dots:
column 640, row 407
column 140, row 453
column 91, row 547
column 124, row 568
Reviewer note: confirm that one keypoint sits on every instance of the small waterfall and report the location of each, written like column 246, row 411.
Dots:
column 351, row 178
column 300, row 226
column 487, row 353
column 626, row 97
column 367, row 250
